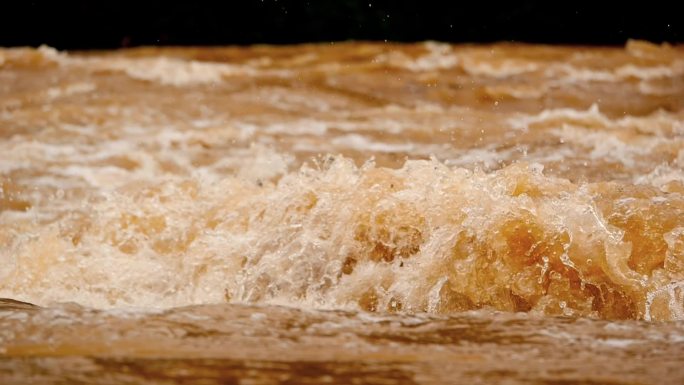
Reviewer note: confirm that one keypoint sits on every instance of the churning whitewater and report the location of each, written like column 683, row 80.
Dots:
column 148, row 182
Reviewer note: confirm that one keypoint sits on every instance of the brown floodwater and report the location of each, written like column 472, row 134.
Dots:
column 344, row 213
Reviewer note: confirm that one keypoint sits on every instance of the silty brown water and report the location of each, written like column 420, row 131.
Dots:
column 322, row 182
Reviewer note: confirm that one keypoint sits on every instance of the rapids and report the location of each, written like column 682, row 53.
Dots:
column 414, row 179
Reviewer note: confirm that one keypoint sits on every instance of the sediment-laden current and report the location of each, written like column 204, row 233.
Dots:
column 424, row 180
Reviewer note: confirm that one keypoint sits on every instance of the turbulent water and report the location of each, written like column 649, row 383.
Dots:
column 411, row 179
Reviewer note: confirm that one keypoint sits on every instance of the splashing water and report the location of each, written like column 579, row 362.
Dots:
column 161, row 182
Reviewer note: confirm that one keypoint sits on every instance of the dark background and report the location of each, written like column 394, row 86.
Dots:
column 113, row 24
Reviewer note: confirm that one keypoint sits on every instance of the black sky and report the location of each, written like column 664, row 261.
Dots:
column 112, row 24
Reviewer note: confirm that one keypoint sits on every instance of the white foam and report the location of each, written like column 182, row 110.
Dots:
column 500, row 69
column 439, row 56
column 70, row 89
column 362, row 143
